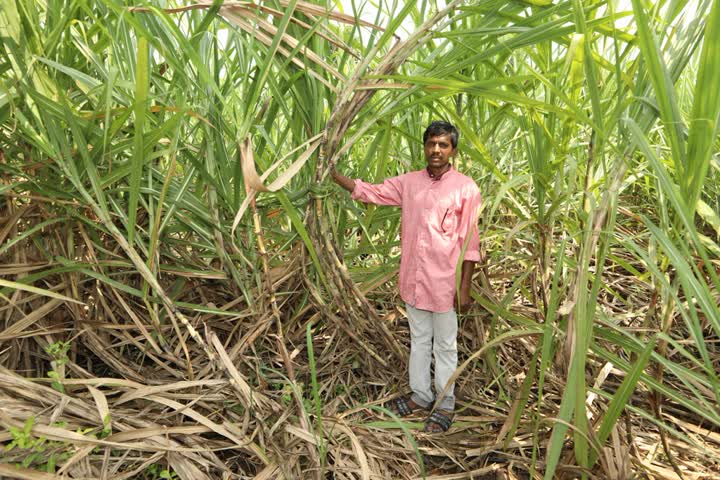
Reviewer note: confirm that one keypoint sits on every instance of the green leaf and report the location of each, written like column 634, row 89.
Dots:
column 705, row 120
column 665, row 94
column 39, row 291
column 621, row 397
column 142, row 83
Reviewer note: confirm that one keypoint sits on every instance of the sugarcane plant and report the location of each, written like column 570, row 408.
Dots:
column 167, row 215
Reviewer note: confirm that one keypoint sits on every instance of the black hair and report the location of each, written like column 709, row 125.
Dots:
column 439, row 127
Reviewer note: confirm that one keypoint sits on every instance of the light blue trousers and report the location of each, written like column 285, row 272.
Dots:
column 432, row 333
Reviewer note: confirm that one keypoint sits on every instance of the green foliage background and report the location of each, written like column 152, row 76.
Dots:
column 591, row 128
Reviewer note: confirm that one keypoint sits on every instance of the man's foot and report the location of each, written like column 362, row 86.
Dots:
column 438, row 422
column 404, row 406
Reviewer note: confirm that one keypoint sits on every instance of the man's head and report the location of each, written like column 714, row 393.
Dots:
column 440, row 145
column 438, row 127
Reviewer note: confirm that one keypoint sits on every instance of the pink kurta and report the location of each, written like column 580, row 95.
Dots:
column 436, row 218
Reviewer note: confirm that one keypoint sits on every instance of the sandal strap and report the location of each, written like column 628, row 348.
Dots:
column 444, row 421
column 403, row 408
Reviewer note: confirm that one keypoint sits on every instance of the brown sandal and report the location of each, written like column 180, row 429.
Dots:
column 404, row 406
column 439, row 421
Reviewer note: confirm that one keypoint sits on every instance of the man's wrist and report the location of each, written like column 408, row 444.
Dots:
column 345, row 182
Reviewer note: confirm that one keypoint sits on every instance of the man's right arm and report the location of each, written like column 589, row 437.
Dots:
column 345, row 182
column 387, row 193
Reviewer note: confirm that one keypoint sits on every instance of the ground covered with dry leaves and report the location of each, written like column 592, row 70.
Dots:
column 113, row 388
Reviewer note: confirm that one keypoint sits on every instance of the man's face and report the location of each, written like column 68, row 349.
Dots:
column 439, row 151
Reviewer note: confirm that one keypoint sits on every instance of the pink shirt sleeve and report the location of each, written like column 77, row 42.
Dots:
column 387, row 193
column 468, row 224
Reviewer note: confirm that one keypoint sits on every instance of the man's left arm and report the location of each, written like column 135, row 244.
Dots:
column 470, row 236
column 465, row 300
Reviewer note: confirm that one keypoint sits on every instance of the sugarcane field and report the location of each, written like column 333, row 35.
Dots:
column 347, row 239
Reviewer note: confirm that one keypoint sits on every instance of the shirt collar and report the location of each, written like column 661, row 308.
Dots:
column 439, row 177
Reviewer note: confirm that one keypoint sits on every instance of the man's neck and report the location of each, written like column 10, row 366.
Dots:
column 437, row 173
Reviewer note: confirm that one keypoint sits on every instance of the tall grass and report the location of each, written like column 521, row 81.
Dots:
column 136, row 138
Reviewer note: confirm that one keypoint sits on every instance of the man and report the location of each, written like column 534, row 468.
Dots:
column 439, row 219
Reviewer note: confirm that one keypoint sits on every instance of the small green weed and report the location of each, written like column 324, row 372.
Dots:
column 58, row 352
column 41, row 453
column 159, row 472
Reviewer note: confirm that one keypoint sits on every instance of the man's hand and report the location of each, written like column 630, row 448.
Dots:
column 345, row 182
column 465, row 303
